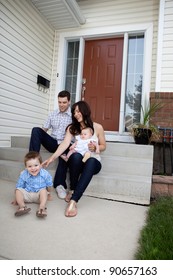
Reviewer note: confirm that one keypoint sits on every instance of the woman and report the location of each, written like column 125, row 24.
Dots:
column 80, row 173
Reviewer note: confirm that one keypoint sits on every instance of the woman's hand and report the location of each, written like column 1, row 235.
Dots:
column 60, row 150
column 92, row 146
column 47, row 162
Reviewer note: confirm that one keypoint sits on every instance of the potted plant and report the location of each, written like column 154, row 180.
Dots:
column 144, row 132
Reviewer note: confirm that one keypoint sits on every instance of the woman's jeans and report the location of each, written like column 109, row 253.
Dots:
column 40, row 137
column 81, row 173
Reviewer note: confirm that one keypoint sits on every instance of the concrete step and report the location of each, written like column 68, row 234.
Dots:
column 20, row 142
column 126, row 150
column 126, row 173
column 133, row 189
column 111, row 164
column 115, row 187
column 17, row 154
column 10, row 170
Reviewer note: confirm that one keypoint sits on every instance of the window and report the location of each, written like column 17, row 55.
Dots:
column 134, row 78
column 71, row 69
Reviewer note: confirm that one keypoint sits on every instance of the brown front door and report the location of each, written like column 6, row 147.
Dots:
column 102, row 72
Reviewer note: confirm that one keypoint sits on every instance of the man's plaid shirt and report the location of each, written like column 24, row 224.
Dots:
column 58, row 121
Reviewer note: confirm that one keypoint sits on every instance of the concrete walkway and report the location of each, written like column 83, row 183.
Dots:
column 103, row 229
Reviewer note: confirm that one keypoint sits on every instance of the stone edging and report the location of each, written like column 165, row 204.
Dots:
column 161, row 186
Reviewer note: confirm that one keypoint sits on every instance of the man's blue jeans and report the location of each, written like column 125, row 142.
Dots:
column 81, row 173
column 40, row 137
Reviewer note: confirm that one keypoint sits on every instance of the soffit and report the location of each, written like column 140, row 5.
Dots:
column 58, row 13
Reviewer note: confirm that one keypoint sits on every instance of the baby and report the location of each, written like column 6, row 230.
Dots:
column 81, row 145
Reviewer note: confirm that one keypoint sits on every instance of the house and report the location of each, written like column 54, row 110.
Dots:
column 113, row 54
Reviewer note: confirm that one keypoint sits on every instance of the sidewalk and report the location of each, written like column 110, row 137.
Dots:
column 103, row 229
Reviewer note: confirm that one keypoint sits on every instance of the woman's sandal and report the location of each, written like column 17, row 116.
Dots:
column 41, row 213
column 22, row 211
column 68, row 196
column 71, row 209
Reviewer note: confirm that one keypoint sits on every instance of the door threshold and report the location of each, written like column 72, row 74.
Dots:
column 115, row 137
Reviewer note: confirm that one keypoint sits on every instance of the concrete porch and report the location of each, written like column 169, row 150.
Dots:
column 110, row 214
column 103, row 229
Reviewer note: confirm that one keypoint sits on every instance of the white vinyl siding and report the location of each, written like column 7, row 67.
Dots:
column 167, row 52
column 102, row 12
column 27, row 43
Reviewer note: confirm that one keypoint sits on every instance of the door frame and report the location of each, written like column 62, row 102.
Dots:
column 101, row 33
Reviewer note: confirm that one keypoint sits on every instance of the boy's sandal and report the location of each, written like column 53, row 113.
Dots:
column 68, row 196
column 22, row 211
column 71, row 209
column 41, row 213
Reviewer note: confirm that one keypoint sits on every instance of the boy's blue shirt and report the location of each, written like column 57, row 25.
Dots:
column 34, row 183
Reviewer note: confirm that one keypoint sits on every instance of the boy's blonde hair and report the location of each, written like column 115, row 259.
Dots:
column 32, row 155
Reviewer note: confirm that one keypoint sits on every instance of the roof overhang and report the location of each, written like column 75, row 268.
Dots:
column 60, row 14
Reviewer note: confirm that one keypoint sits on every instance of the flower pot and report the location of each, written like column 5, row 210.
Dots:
column 142, row 136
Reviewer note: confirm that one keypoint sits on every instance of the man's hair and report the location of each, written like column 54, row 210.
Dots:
column 32, row 155
column 64, row 93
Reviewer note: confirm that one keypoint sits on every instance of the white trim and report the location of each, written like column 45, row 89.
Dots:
column 159, row 45
column 105, row 31
column 75, row 11
column 102, row 33
column 80, row 69
column 147, row 65
column 61, row 67
column 53, row 63
column 123, row 84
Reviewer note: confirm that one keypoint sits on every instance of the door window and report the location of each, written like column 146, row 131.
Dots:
column 71, row 69
column 134, row 77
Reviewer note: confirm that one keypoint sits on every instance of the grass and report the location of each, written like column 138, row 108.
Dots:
column 156, row 239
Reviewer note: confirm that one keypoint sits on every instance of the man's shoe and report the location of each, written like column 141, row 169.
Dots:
column 61, row 191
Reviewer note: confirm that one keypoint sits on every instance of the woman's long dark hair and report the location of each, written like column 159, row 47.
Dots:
column 85, row 110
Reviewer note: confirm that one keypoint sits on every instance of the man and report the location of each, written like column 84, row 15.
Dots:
column 57, row 121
